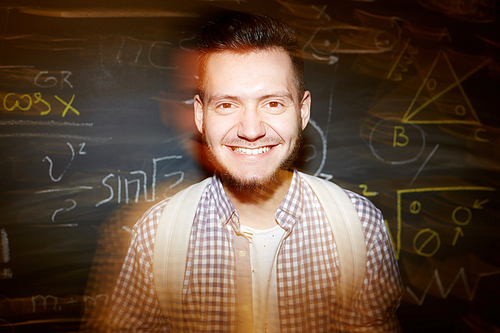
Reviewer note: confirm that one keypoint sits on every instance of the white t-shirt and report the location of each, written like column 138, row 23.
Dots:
column 263, row 247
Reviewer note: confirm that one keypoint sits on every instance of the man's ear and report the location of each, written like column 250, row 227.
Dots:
column 305, row 109
column 198, row 113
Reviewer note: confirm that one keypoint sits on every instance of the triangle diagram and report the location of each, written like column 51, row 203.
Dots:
column 440, row 98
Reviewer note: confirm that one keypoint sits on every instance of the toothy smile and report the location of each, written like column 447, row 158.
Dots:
column 247, row 151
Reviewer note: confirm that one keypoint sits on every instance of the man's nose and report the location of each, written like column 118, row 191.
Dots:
column 251, row 127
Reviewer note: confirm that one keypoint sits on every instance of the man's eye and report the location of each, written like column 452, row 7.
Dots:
column 274, row 104
column 225, row 105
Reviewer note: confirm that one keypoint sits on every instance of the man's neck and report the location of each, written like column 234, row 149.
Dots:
column 257, row 207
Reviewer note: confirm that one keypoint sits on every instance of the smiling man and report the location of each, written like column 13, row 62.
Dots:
column 251, row 115
column 262, row 252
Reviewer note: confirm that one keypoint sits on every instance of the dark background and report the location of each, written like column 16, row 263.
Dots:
column 405, row 111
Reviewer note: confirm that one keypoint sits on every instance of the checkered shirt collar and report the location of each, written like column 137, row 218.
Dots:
column 287, row 214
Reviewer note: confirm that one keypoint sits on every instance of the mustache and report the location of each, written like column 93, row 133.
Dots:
column 236, row 142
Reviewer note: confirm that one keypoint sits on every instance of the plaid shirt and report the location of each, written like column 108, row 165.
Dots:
column 307, row 270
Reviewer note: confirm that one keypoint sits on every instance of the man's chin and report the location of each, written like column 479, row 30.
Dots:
column 246, row 183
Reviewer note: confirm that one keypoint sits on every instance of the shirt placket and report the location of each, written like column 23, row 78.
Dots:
column 241, row 248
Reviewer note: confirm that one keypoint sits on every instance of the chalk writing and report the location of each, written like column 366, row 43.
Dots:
column 131, row 50
column 46, row 79
column 4, row 240
column 157, row 47
column 12, row 101
column 391, row 51
column 52, row 303
column 310, row 156
column 82, row 146
column 424, row 164
column 461, row 221
column 379, row 149
column 6, row 272
column 181, row 178
column 45, row 301
column 106, row 182
column 44, row 123
column 67, row 209
column 428, row 33
column 325, row 176
column 51, row 164
column 16, row 103
column 460, row 278
column 6, row 326
column 67, row 105
column 459, row 233
column 184, row 40
column 306, row 11
column 322, row 38
column 415, row 207
column 93, row 301
column 65, row 189
column 479, row 204
column 324, row 44
column 426, row 241
column 402, row 62
column 55, row 136
column 324, row 144
column 399, row 132
column 477, row 137
column 367, row 193
column 466, row 10
column 25, row 103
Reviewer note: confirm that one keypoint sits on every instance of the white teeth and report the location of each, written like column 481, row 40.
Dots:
column 256, row 151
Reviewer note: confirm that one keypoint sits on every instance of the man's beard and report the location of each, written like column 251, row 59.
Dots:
column 270, row 181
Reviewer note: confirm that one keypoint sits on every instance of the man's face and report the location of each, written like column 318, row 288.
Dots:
column 251, row 115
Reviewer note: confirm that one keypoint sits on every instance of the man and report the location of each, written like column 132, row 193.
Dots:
column 261, row 257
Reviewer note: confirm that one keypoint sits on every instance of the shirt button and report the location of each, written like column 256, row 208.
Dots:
column 242, row 254
column 235, row 219
column 222, row 220
column 299, row 213
column 245, row 308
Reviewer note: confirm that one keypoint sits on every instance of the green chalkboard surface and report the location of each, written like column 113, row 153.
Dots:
column 96, row 126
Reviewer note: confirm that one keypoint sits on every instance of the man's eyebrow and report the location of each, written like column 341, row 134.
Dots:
column 280, row 94
column 218, row 97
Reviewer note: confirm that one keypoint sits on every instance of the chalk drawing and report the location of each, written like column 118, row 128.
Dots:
column 51, row 164
column 386, row 159
column 44, row 123
column 6, row 272
column 424, row 164
column 324, row 147
column 461, row 276
column 433, row 238
column 67, row 209
column 431, row 90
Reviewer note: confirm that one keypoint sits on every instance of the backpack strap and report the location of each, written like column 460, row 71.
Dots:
column 348, row 235
column 171, row 246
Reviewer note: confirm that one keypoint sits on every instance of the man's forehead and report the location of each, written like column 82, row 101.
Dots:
column 269, row 66
column 241, row 55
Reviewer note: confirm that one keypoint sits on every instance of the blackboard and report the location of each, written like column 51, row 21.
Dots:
column 96, row 126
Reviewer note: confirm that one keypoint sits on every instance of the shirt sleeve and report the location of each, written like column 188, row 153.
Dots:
column 374, row 309
column 134, row 304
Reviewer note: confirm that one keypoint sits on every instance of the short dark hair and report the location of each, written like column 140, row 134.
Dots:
column 246, row 32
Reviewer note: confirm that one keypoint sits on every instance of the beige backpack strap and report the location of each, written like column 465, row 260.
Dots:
column 171, row 246
column 347, row 232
